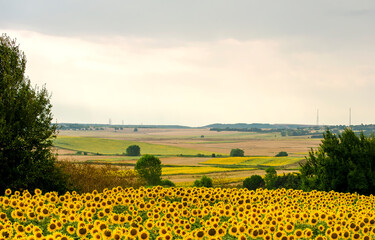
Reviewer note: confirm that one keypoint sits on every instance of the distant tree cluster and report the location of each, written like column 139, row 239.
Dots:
column 295, row 132
column 133, row 150
column 281, row 154
column 236, row 152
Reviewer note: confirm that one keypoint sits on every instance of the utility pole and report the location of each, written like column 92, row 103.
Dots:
column 317, row 117
column 350, row 117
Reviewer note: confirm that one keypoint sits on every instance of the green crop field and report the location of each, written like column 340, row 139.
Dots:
column 112, row 146
column 254, row 161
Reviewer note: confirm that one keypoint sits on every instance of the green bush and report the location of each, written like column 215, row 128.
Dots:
column 133, row 150
column 168, row 183
column 203, row 182
column 253, row 182
column 149, row 168
column 281, row 154
column 289, row 181
column 236, row 152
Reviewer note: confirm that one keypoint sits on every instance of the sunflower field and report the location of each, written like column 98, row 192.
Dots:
column 186, row 213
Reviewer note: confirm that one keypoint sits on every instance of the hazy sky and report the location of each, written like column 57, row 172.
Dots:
column 199, row 62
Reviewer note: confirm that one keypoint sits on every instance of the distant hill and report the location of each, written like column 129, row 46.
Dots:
column 256, row 125
column 81, row 126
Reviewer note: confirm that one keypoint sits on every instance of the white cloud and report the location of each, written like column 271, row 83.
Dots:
column 194, row 83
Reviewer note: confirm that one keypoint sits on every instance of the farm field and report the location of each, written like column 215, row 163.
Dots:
column 187, row 213
column 198, row 170
column 178, row 150
column 112, row 146
column 254, row 161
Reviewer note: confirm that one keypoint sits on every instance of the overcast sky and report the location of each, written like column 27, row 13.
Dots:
column 199, row 62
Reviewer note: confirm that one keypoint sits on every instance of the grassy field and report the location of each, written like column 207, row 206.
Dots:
column 112, row 146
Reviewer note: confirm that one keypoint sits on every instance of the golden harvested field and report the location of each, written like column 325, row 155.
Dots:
column 187, row 213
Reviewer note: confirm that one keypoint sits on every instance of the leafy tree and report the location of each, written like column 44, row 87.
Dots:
column 26, row 132
column 270, row 178
column 254, row 182
column 281, row 154
column 236, row 152
column 203, row 182
column 149, row 168
column 133, row 150
column 343, row 163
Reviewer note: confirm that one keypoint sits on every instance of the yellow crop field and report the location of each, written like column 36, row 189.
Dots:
column 254, row 161
column 226, row 161
column 113, row 146
column 215, row 181
column 198, row 170
column 187, row 213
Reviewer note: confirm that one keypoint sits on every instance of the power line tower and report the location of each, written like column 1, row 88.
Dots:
column 317, row 117
column 110, row 121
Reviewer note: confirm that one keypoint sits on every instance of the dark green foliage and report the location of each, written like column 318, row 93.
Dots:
column 343, row 163
column 133, row 150
column 167, row 182
column 26, row 132
column 203, row 182
column 288, row 181
column 236, row 152
column 253, row 182
column 281, row 154
column 135, row 130
column 270, row 178
column 149, row 168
